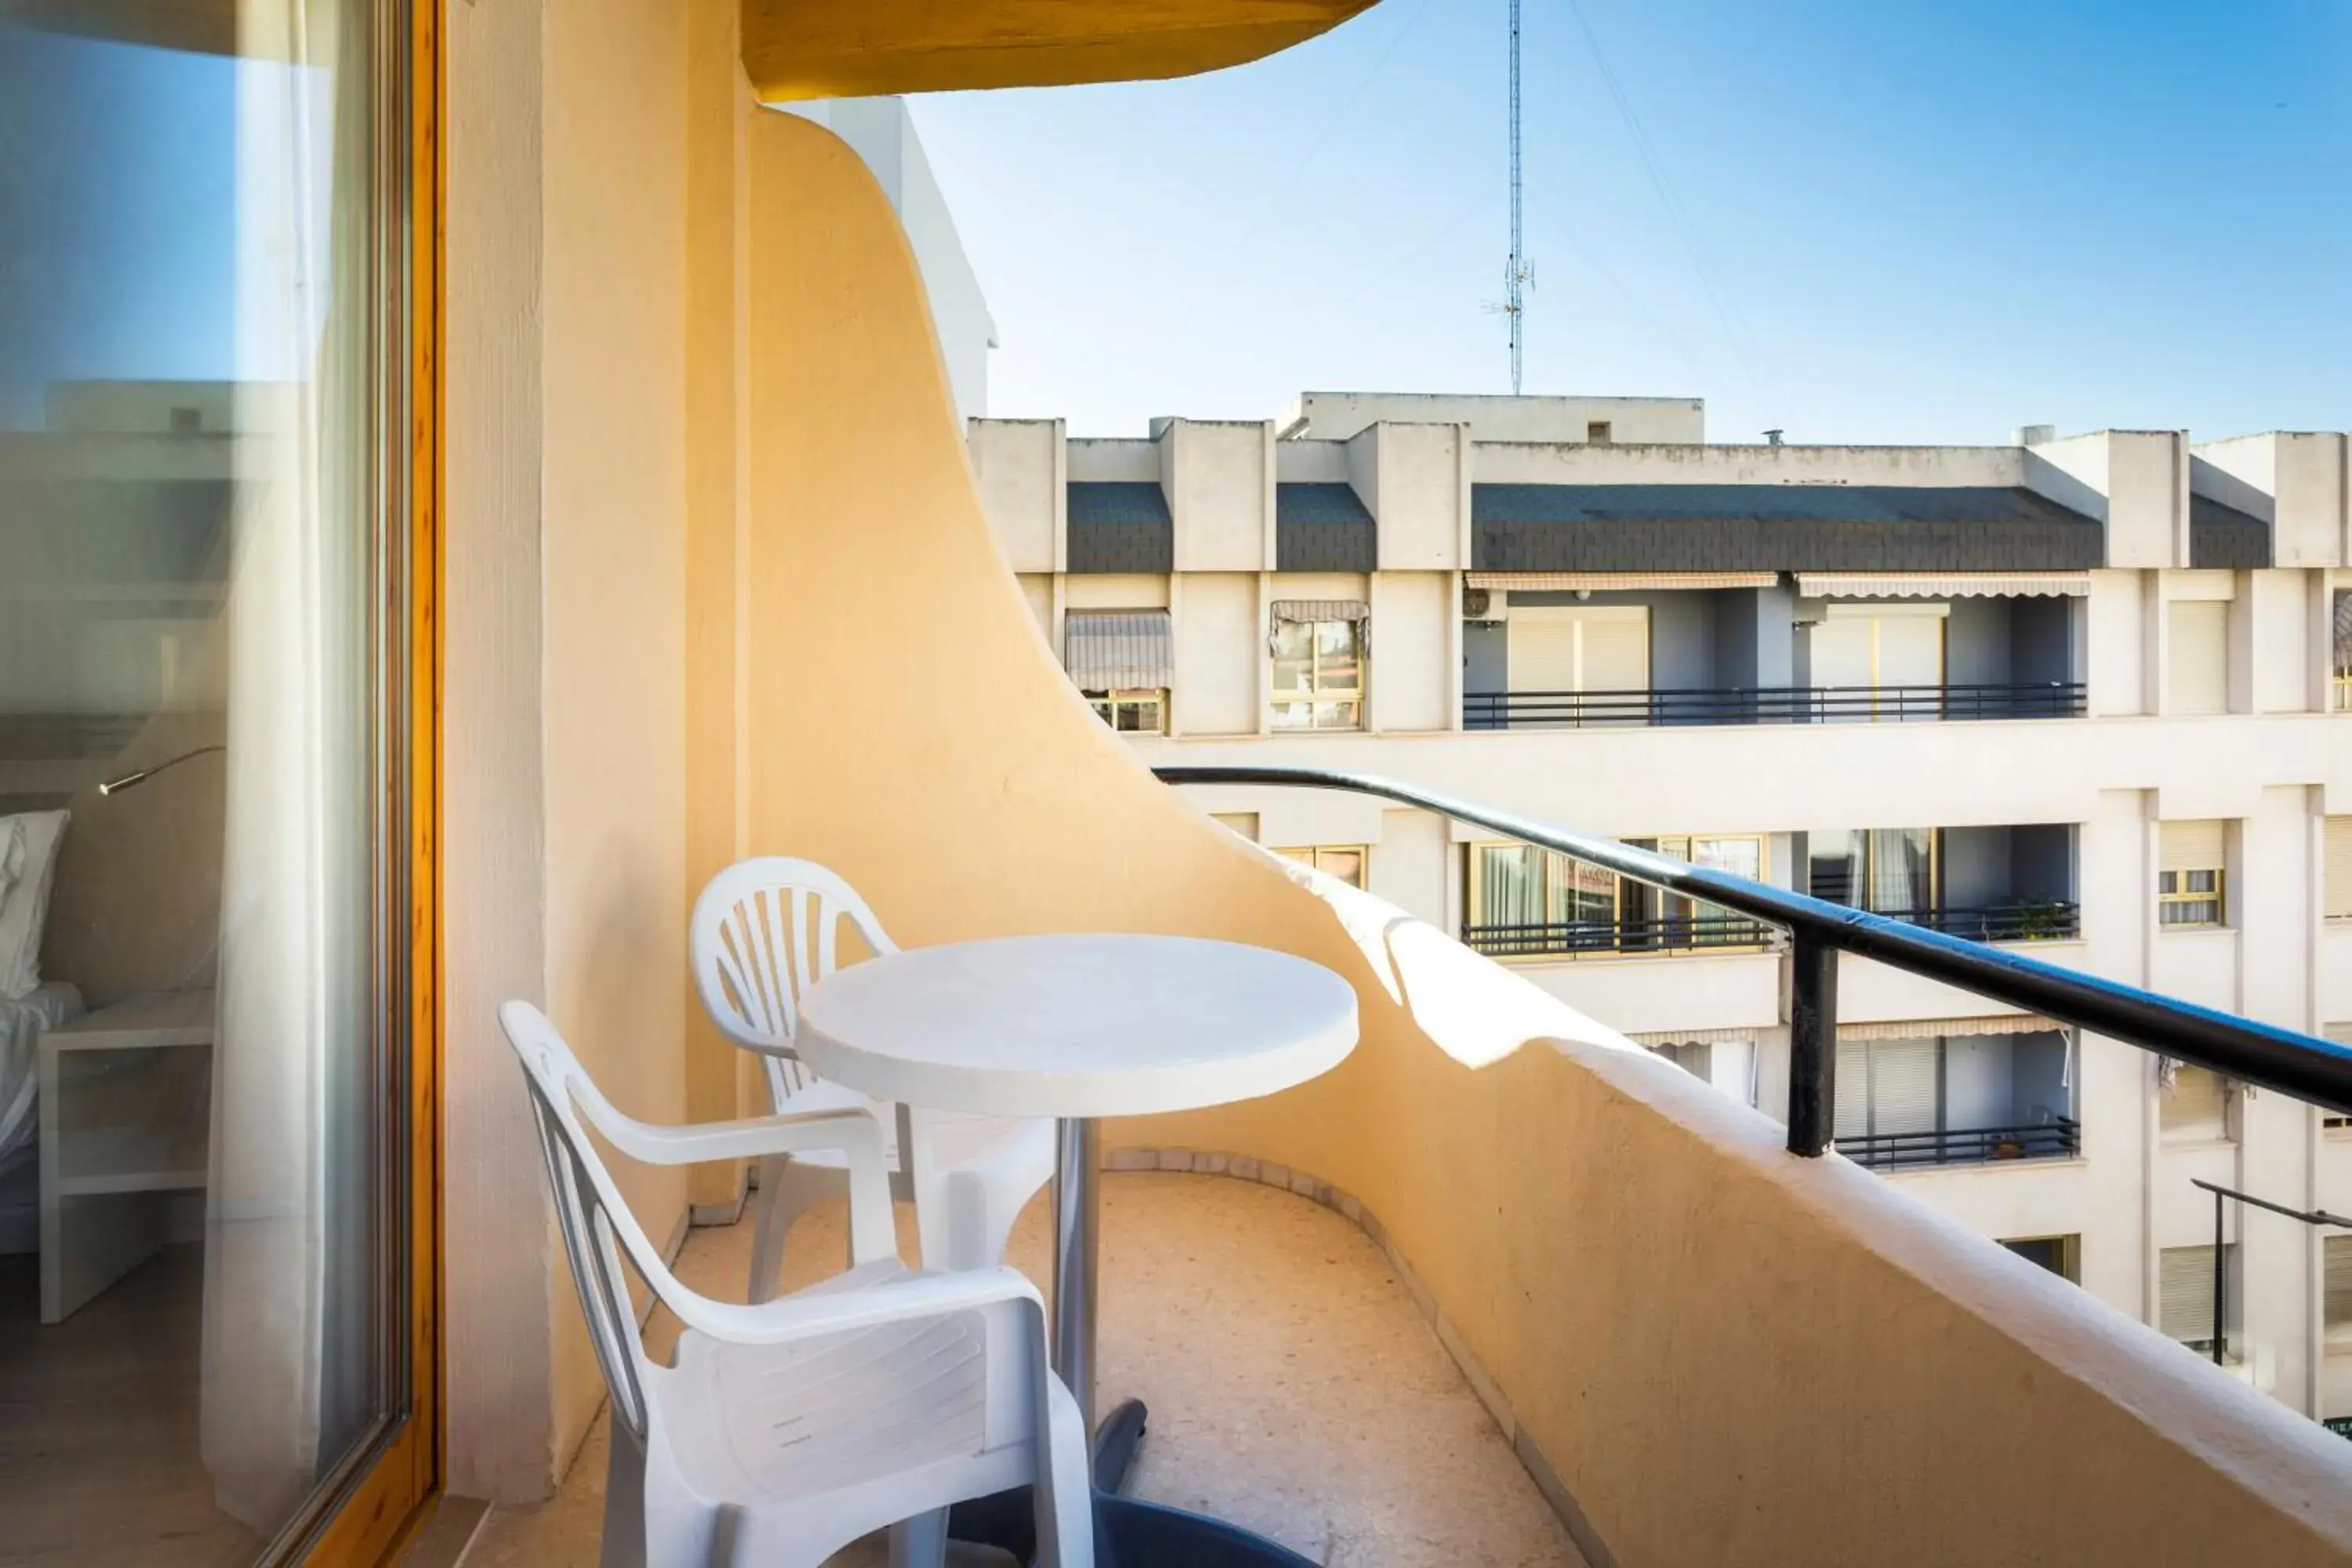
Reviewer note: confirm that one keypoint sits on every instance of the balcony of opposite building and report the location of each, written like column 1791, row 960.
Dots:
column 1768, row 649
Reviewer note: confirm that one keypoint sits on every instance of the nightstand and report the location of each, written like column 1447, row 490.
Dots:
column 125, row 1125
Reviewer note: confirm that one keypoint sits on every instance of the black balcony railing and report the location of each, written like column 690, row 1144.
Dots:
column 1768, row 705
column 2302, row 1066
column 2027, row 921
column 1687, row 933
column 2058, row 1140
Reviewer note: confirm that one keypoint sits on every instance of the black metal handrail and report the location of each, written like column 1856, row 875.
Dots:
column 2056, row 1139
column 2302, row 1066
column 1772, row 705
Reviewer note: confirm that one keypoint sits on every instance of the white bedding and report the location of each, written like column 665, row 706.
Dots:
column 21, row 1023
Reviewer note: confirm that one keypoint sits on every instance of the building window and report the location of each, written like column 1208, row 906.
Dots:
column 2191, row 881
column 2337, row 1257
column 1345, row 862
column 1123, row 662
column 1597, row 431
column 1132, row 712
column 1886, row 870
column 1592, row 660
column 1728, row 1065
column 2185, row 1293
column 1318, row 674
column 2197, row 656
column 1523, row 901
column 2061, row 1255
column 1651, row 917
column 2340, row 665
column 2193, row 1103
column 1870, row 662
column 2336, row 884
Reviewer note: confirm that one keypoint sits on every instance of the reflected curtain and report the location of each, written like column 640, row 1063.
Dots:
column 289, row 1313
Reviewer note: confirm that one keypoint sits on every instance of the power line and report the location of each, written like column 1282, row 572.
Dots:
column 1734, row 328
column 1242, row 247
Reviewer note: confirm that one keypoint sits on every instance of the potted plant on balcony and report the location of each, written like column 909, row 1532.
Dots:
column 2040, row 919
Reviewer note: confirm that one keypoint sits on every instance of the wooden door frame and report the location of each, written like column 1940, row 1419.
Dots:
column 385, row 1503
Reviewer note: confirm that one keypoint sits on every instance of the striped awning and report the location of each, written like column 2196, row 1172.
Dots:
column 1119, row 650
column 1301, row 612
column 1613, row 582
column 1319, row 610
column 1942, row 585
column 1934, row 1028
column 1695, row 1037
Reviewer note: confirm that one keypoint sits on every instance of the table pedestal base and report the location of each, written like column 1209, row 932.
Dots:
column 1128, row 1531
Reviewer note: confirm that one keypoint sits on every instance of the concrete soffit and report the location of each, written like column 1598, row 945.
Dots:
column 859, row 48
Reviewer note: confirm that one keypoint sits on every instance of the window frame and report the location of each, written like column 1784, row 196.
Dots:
column 2335, row 1333
column 1312, row 855
column 2195, row 1132
column 1106, row 703
column 1868, row 876
column 1315, row 693
column 1561, row 892
column 2175, row 897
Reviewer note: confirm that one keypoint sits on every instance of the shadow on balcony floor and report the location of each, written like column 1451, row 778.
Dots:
column 1294, row 1387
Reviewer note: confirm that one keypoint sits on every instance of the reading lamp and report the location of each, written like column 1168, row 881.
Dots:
column 131, row 780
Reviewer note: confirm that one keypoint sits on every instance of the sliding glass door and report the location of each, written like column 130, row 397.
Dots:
column 210, row 1152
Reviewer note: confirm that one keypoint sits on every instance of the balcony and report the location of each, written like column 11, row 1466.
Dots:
column 1772, row 705
column 1693, row 1344
column 2057, row 1139
column 1220, row 1296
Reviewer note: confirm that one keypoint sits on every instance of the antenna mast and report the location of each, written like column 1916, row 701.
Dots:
column 1515, row 275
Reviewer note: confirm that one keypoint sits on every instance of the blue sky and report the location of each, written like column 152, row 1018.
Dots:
column 115, row 201
column 1860, row 222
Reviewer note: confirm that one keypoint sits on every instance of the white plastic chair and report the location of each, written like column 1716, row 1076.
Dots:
column 783, row 1431
column 763, row 932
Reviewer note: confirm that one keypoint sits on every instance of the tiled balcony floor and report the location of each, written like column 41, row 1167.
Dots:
column 1294, row 1387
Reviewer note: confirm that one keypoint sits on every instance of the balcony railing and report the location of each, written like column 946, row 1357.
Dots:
column 1683, row 934
column 1768, row 705
column 2026, row 921
column 2302, row 1066
column 2058, row 1140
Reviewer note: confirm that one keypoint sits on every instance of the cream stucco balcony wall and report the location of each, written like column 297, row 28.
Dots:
column 1724, row 1353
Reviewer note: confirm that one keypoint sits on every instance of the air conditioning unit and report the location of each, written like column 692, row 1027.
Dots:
column 1478, row 604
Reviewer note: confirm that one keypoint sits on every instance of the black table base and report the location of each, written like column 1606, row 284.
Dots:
column 1128, row 1531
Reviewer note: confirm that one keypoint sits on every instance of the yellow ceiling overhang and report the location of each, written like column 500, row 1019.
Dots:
column 858, row 48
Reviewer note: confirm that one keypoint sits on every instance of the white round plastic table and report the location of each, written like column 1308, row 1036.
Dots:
column 1077, row 1027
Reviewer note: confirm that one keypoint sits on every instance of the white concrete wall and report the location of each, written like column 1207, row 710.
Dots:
column 1220, row 645
column 1220, row 479
column 1018, row 466
column 882, row 133
column 1415, row 479
column 1413, row 613
column 1339, row 415
column 1549, row 463
column 2295, row 480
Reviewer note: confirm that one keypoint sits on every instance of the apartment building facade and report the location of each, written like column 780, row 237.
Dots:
column 2091, row 696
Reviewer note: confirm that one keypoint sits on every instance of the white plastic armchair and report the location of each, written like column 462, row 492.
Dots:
column 784, row 1430
column 765, row 931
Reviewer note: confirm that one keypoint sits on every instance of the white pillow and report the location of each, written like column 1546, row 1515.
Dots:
column 24, row 900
